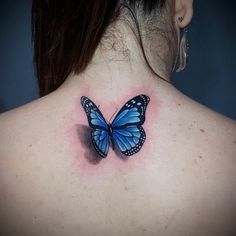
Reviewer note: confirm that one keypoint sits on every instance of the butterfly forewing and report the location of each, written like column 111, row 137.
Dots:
column 94, row 116
column 133, row 112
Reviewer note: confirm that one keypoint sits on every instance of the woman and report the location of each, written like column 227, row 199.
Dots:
column 113, row 148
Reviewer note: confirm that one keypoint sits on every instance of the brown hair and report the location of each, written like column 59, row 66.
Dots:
column 66, row 34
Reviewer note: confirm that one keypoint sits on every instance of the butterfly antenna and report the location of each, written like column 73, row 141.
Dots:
column 113, row 115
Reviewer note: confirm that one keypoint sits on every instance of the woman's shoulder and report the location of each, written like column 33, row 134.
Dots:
column 181, row 114
column 191, row 124
column 36, row 124
column 194, row 132
column 214, row 131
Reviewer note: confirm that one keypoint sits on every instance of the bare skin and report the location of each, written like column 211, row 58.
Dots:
column 181, row 183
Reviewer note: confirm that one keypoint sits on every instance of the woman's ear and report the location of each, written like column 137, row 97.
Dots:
column 183, row 12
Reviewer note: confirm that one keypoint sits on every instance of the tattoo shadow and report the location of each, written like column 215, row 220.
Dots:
column 84, row 136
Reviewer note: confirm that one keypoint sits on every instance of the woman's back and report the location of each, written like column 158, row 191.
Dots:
column 177, row 174
column 180, row 183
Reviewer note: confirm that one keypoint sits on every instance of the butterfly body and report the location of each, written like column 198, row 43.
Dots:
column 110, row 130
column 125, row 131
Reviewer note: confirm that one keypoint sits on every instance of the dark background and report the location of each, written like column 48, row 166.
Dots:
column 210, row 77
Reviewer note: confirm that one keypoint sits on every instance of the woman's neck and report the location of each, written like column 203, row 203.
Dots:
column 114, row 77
column 120, row 66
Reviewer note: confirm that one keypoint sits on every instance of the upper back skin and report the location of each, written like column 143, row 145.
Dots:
column 182, row 182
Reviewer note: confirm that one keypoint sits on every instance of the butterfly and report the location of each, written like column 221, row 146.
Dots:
column 125, row 131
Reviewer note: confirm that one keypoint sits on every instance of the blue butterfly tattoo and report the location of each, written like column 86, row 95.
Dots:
column 125, row 131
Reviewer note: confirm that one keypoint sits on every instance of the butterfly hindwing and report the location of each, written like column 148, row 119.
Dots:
column 129, row 139
column 101, row 141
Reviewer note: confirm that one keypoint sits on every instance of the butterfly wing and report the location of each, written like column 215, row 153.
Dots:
column 101, row 141
column 129, row 139
column 94, row 116
column 127, row 131
column 100, row 135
